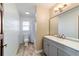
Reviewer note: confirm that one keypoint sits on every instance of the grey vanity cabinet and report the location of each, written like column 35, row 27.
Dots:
column 53, row 48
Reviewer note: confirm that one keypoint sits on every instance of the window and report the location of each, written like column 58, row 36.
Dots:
column 26, row 26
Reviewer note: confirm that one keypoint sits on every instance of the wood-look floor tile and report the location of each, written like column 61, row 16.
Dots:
column 27, row 51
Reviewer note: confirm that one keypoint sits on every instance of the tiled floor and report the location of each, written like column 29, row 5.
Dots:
column 27, row 51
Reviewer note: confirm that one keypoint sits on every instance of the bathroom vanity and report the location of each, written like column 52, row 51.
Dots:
column 54, row 46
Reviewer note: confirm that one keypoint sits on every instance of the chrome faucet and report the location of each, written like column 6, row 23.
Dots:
column 63, row 36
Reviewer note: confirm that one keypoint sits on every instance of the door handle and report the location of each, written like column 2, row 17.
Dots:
column 5, row 45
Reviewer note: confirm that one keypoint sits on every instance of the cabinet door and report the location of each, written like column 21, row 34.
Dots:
column 52, row 50
column 46, row 50
column 62, row 53
column 46, row 47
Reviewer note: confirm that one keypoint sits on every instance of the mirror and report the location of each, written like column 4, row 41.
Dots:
column 54, row 26
column 66, row 23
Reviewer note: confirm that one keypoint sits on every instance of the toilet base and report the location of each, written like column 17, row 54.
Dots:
column 26, row 44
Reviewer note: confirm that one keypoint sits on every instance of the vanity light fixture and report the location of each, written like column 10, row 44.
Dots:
column 60, row 8
column 65, row 5
column 27, row 13
column 56, row 9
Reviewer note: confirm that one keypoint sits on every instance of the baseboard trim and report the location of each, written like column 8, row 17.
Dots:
column 39, row 51
column 19, row 48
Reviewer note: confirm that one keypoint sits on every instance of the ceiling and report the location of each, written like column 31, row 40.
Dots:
column 29, row 7
column 26, row 7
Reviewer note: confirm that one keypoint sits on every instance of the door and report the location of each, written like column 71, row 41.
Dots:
column 11, row 29
column 1, row 31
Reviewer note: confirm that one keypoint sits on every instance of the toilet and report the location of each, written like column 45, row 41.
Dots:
column 26, row 39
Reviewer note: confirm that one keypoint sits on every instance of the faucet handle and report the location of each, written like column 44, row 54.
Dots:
column 63, row 36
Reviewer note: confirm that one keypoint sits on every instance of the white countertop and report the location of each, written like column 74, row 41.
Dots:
column 66, row 42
